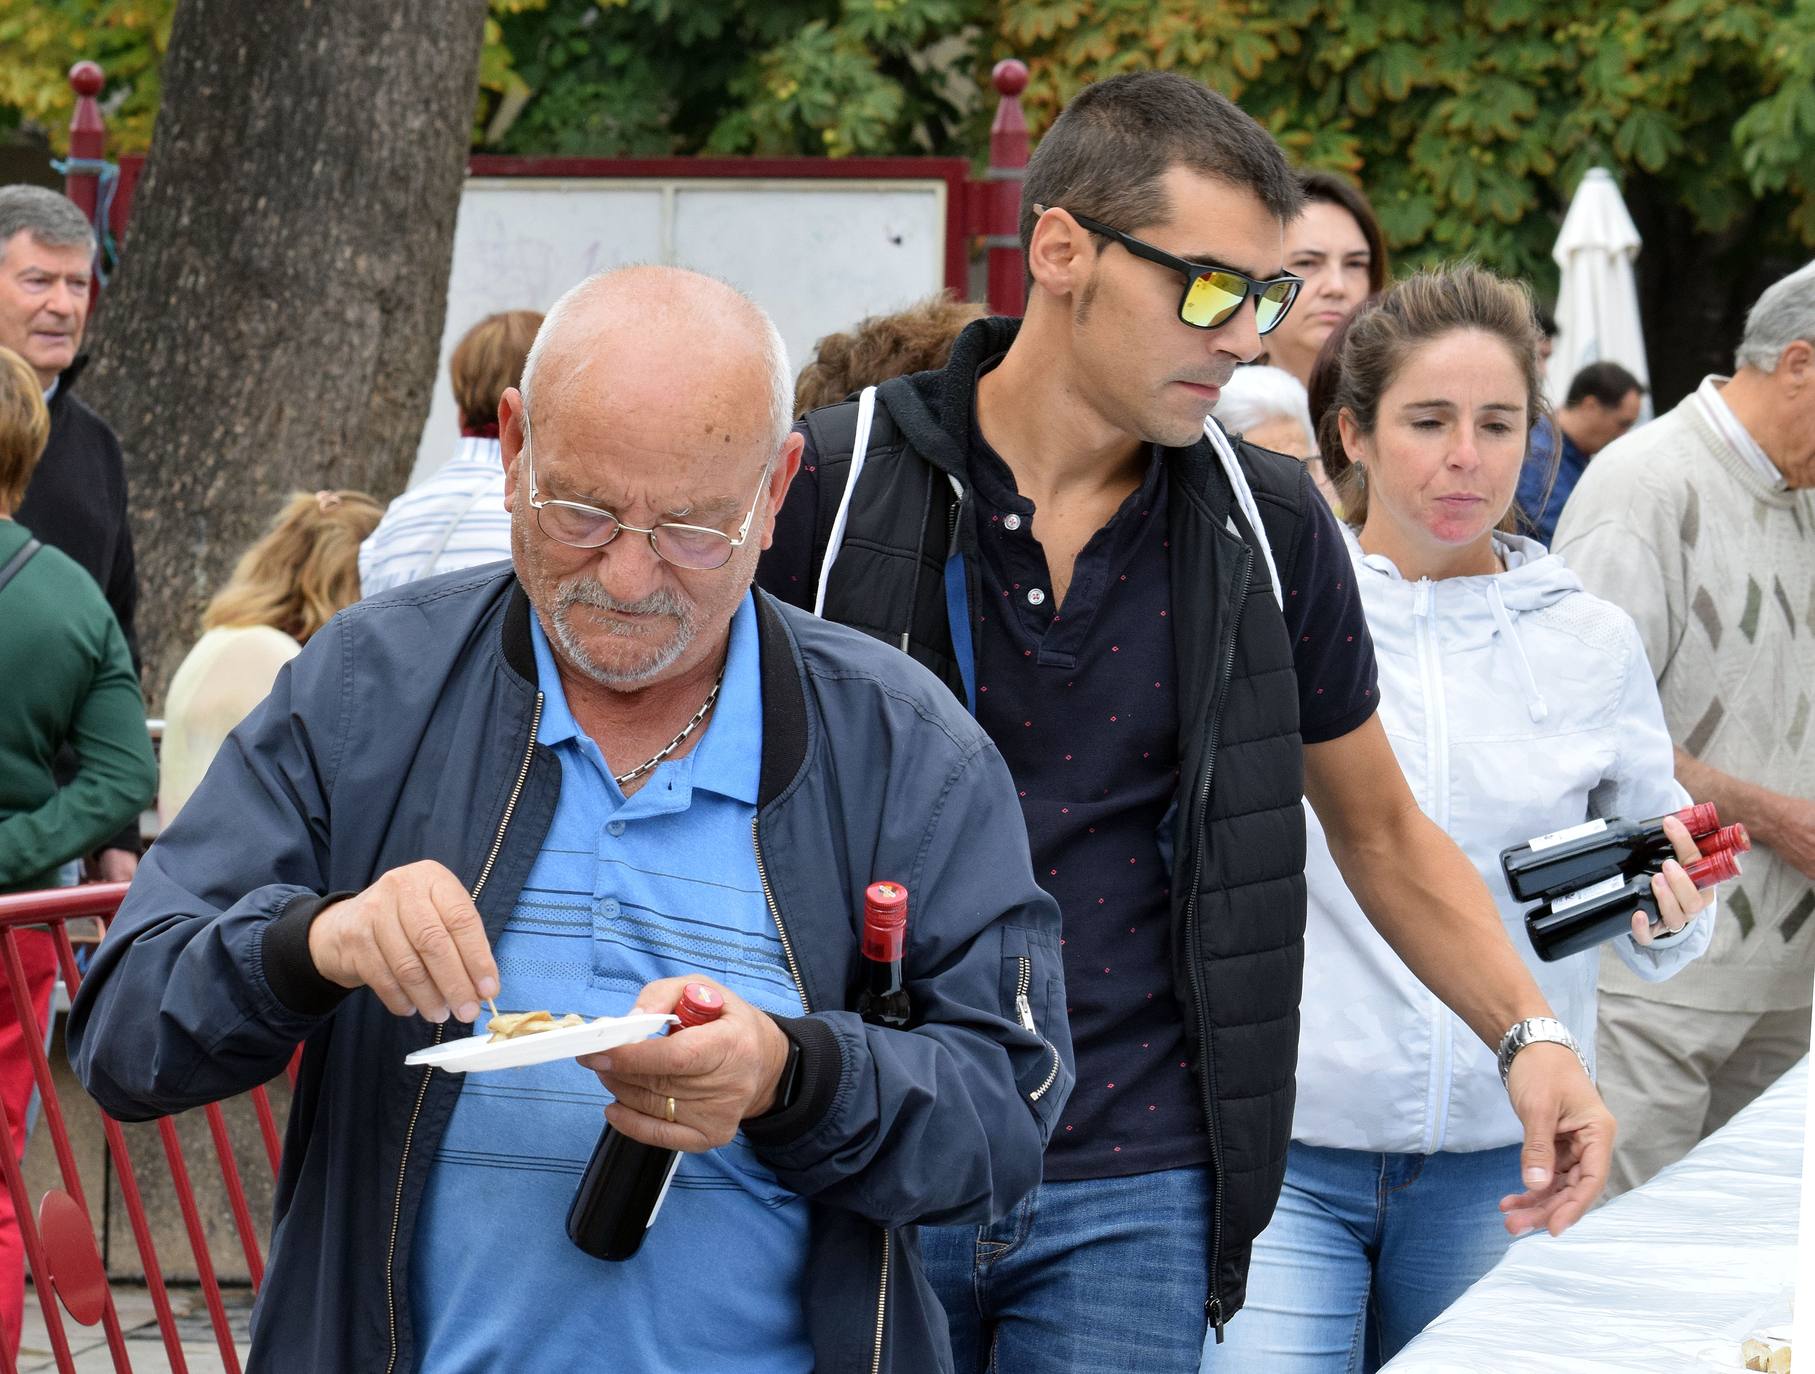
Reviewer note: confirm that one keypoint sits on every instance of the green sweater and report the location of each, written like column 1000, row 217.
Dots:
column 65, row 678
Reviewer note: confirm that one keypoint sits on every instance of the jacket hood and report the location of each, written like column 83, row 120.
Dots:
column 935, row 409
column 1534, row 576
column 1485, row 605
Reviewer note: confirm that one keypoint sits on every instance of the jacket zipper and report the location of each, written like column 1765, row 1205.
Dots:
column 787, row 949
column 422, row 1090
column 1024, row 1009
column 1213, row 1305
column 1436, row 762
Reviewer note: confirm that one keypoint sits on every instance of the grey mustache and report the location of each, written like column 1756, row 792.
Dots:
column 590, row 593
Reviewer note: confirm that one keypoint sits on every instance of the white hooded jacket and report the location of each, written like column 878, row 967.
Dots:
column 1517, row 704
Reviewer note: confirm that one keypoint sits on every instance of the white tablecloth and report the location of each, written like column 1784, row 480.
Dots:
column 1671, row 1276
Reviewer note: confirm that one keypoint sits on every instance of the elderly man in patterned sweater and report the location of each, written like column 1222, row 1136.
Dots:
column 1702, row 526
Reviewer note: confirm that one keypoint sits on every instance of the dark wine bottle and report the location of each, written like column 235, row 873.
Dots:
column 1603, row 911
column 1566, row 861
column 883, row 999
column 626, row 1180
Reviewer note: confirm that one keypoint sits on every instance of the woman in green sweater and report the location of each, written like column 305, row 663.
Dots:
column 65, row 679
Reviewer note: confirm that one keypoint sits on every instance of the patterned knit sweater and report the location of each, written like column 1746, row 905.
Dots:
column 1718, row 569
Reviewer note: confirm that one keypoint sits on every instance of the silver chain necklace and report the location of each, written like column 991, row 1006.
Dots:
column 675, row 743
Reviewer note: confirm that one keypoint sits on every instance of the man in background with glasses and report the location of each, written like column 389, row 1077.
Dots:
column 571, row 783
column 1160, row 628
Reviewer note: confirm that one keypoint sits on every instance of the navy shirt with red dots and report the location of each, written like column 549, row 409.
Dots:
column 1081, row 699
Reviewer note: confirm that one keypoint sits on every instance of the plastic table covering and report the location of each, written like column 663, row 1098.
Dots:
column 1671, row 1276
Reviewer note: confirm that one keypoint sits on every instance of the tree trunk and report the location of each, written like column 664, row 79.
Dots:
column 278, row 315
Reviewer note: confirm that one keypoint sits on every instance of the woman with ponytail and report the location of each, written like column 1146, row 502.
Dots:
column 1517, row 704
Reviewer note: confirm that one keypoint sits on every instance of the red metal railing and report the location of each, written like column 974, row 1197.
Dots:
column 58, row 1238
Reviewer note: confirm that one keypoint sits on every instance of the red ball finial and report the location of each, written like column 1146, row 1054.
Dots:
column 87, row 78
column 1009, row 77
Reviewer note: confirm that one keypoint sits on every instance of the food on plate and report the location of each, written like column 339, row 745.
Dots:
column 1771, row 1356
column 508, row 1025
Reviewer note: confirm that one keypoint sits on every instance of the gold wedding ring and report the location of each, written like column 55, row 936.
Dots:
column 671, row 1111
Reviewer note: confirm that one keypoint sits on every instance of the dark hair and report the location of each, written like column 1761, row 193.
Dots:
column 917, row 339
column 1326, row 370
column 1547, row 322
column 1385, row 331
column 1330, row 189
column 1608, row 383
column 1107, row 151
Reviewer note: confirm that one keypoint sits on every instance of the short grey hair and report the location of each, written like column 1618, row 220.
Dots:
column 774, row 350
column 49, row 217
column 1783, row 315
column 1255, row 395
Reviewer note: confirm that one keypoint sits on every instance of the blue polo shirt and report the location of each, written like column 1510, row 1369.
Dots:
column 624, row 891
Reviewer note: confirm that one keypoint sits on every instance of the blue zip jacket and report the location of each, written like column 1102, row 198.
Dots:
column 404, row 732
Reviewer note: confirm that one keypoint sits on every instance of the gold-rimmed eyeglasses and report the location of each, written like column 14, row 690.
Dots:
column 696, row 547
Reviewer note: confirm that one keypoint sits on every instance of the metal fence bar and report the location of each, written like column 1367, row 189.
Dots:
column 33, row 1035
column 236, row 1195
column 136, row 1215
column 11, row 1154
column 55, row 909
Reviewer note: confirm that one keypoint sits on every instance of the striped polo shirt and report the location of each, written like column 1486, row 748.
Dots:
column 453, row 520
column 624, row 891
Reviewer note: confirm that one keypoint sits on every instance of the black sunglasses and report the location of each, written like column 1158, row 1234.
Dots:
column 1212, row 294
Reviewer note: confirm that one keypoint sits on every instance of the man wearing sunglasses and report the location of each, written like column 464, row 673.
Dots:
column 573, row 783
column 1160, row 629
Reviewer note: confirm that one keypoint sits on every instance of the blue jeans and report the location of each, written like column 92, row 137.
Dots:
column 1363, row 1251
column 1091, row 1276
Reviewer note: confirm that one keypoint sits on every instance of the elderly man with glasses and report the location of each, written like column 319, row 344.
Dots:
column 575, row 783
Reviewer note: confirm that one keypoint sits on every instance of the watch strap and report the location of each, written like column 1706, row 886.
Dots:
column 1537, row 1030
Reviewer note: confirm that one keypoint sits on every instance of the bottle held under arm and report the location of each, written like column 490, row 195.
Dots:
column 1569, row 860
column 1602, row 911
column 625, row 1181
column 883, row 999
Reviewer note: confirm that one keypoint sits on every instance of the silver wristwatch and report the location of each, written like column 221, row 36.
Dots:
column 1537, row 1030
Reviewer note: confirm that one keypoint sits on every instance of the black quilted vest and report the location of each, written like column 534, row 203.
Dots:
column 1238, row 899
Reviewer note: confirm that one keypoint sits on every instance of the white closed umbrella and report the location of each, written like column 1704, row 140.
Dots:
column 1598, row 302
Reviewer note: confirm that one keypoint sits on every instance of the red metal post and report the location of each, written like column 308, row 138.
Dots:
column 55, row 909
column 1007, row 170
column 87, row 138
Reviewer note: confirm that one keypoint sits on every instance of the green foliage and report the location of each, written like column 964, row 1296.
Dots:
column 42, row 39
column 785, row 77
column 1468, row 121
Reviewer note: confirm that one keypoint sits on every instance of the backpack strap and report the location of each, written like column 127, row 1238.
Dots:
column 18, row 561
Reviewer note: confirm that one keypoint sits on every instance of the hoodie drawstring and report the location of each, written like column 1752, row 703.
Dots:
column 866, row 414
column 1244, row 499
column 1534, row 699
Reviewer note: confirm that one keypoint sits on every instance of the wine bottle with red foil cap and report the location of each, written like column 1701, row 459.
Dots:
column 625, row 1180
column 1603, row 911
column 1568, row 860
column 883, row 999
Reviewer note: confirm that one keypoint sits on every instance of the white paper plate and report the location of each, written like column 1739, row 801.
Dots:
column 479, row 1053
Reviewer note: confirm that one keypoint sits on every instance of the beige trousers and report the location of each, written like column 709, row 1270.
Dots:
column 1672, row 1075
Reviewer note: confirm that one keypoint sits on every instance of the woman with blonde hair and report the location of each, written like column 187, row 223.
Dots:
column 285, row 588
